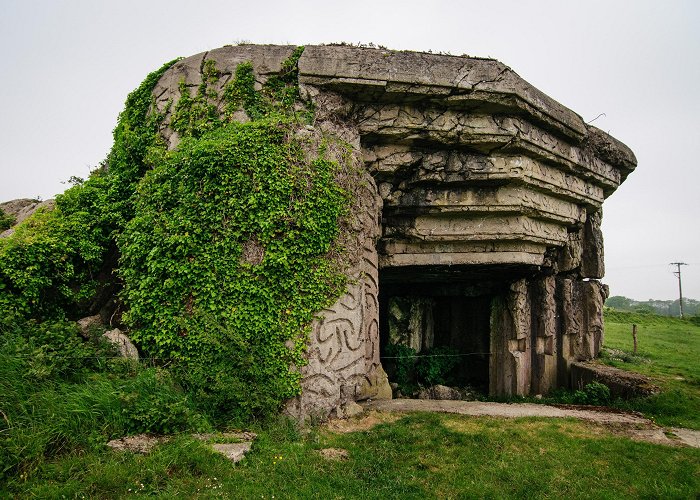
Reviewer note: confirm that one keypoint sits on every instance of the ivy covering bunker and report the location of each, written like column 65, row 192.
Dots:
column 227, row 245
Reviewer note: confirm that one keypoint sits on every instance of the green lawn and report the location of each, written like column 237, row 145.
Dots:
column 419, row 456
column 668, row 352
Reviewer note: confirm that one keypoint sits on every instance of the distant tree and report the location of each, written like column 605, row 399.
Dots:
column 645, row 309
column 619, row 302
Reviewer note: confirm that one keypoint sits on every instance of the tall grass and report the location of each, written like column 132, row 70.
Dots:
column 65, row 395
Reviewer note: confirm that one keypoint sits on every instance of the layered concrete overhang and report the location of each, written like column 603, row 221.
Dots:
column 475, row 166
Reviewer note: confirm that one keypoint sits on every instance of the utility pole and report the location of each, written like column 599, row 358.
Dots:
column 680, row 287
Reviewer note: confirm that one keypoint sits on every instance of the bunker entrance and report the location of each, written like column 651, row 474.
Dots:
column 435, row 328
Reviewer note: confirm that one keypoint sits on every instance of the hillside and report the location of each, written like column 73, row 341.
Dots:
column 668, row 351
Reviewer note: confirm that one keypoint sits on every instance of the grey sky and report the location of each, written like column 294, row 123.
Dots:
column 68, row 66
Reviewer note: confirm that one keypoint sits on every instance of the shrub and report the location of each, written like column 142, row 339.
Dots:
column 226, row 246
column 408, row 369
column 6, row 220
column 60, row 393
column 153, row 402
column 594, row 393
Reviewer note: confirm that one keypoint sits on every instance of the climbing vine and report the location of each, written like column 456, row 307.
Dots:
column 226, row 246
column 54, row 263
column 227, row 258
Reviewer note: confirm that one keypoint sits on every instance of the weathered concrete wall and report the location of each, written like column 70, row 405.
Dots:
column 468, row 167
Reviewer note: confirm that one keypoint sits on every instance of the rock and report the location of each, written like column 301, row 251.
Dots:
column 21, row 209
column 620, row 382
column 350, row 409
column 689, row 437
column 334, row 454
column 441, row 392
column 235, row 452
column 89, row 324
column 503, row 203
column 126, row 348
column 240, row 436
column 592, row 260
column 144, row 443
column 141, row 443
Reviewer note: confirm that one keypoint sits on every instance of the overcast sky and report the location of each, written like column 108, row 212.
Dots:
column 67, row 67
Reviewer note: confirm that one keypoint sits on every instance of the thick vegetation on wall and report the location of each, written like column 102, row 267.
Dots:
column 225, row 262
column 220, row 251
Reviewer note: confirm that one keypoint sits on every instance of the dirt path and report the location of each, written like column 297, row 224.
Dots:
column 628, row 424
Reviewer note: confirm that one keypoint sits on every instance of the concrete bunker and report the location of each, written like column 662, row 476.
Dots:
column 481, row 198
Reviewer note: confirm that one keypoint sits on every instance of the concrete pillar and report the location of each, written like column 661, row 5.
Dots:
column 509, row 367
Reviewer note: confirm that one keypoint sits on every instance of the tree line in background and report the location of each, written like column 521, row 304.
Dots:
column 691, row 307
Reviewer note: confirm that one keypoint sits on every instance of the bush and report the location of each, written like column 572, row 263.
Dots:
column 595, row 393
column 409, row 369
column 153, row 402
column 60, row 393
column 6, row 220
column 226, row 248
column 53, row 350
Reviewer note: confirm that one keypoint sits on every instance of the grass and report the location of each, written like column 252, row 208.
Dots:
column 62, row 399
column 419, row 456
column 669, row 353
column 54, row 427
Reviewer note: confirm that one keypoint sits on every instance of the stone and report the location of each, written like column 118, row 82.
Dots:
column 440, row 392
column 621, row 383
column 592, row 260
column 21, row 209
column 227, row 436
column 349, row 410
column 336, row 454
column 89, row 325
column 235, row 452
column 466, row 181
column 511, row 326
column 140, row 443
column 126, row 348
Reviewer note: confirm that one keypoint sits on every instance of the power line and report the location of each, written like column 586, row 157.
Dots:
column 677, row 273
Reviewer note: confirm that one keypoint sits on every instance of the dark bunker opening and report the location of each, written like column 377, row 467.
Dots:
column 435, row 324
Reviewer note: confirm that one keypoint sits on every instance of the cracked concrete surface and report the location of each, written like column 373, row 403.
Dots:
column 631, row 425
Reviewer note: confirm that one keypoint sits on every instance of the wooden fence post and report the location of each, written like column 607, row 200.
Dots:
column 634, row 337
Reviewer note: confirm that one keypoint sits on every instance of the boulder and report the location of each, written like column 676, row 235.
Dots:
column 21, row 209
column 126, row 348
column 140, row 443
column 441, row 392
column 349, row 410
column 89, row 324
column 235, row 452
